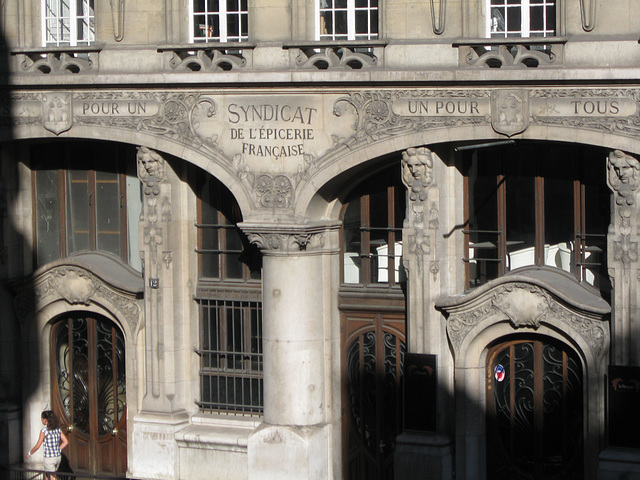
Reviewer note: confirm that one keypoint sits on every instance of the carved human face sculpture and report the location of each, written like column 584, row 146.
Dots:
column 626, row 168
column 416, row 169
column 150, row 163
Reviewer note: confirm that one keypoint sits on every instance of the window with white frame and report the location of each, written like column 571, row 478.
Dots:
column 521, row 18
column 68, row 23
column 347, row 19
column 219, row 21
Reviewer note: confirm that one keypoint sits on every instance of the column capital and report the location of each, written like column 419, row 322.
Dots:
column 279, row 238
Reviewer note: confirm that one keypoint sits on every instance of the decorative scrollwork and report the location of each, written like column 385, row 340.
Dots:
column 55, row 63
column 509, row 56
column 209, row 59
column 330, row 58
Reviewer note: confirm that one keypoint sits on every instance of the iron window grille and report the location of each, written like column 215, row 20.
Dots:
column 231, row 374
column 230, row 306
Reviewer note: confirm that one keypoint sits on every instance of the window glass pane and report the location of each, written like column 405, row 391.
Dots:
column 340, row 27
column 550, row 25
column 520, row 220
column 514, row 20
column 199, row 26
column 78, row 222
column 108, row 212
column 209, row 265
column 198, row 6
column 373, row 26
column 536, row 18
column 352, row 242
column 234, row 266
column 497, row 20
column 47, row 216
column 362, row 21
column 483, row 220
column 558, row 210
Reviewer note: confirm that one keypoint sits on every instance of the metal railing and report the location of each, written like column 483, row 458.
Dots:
column 21, row 473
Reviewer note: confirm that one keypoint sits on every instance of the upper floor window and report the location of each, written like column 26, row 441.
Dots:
column 521, row 18
column 68, row 23
column 536, row 205
column 347, row 19
column 372, row 231
column 85, row 200
column 219, row 21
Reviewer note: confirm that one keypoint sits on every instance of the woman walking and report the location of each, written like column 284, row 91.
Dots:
column 54, row 442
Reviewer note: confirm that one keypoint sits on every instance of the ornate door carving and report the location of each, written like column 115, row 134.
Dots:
column 372, row 357
column 89, row 392
column 534, row 411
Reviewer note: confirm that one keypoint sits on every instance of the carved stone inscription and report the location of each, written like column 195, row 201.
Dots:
column 272, row 130
column 277, row 133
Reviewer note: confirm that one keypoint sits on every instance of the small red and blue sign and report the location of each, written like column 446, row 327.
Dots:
column 499, row 373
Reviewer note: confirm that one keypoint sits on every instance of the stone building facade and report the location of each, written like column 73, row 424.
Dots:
column 322, row 239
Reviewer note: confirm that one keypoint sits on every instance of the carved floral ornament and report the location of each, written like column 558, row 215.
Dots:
column 78, row 287
column 287, row 239
column 198, row 122
column 526, row 307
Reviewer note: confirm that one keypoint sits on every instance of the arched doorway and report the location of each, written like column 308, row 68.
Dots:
column 534, row 410
column 373, row 325
column 89, row 391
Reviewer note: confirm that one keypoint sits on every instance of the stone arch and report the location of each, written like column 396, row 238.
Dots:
column 540, row 302
column 210, row 160
column 346, row 162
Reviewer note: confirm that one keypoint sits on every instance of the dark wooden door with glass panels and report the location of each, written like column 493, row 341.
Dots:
column 534, row 411
column 89, row 392
column 372, row 352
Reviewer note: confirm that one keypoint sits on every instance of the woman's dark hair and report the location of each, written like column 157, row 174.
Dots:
column 51, row 418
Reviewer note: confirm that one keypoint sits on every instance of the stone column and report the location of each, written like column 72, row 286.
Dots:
column 622, row 257
column 422, row 257
column 301, row 433
column 154, row 450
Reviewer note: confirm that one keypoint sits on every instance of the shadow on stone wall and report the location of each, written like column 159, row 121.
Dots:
column 12, row 359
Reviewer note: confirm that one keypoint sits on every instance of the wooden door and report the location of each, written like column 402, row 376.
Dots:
column 373, row 347
column 89, row 392
column 534, row 411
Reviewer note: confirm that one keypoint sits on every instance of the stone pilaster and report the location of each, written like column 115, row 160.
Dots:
column 154, row 450
column 622, row 245
column 418, row 452
column 301, row 435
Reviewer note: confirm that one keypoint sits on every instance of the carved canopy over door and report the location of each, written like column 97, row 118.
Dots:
column 89, row 392
column 545, row 335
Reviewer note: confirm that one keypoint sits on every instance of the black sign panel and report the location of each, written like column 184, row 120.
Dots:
column 624, row 406
column 420, row 392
